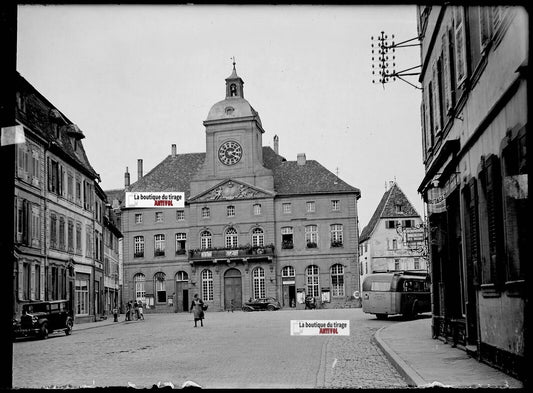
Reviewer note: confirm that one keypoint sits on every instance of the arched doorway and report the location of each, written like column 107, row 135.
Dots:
column 182, row 292
column 232, row 289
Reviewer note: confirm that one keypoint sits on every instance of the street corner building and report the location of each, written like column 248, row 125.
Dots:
column 254, row 225
column 394, row 237
column 66, row 241
column 474, row 126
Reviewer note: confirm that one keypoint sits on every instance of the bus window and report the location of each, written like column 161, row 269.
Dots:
column 380, row 286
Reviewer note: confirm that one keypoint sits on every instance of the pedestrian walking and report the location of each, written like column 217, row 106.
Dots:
column 136, row 310
column 128, row 311
column 198, row 307
column 141, row 313
column 115, row 314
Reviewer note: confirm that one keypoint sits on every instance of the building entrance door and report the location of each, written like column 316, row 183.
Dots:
column 181, row 292
column 289, row 295
column 232, row 289
column 182, row 296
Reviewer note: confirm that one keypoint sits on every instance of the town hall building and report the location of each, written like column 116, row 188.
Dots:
column 254, row 225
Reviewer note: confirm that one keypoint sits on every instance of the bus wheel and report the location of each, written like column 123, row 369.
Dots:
column 381, row 316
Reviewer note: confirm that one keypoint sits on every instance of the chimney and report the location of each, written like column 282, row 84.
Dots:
column 127, row 178
column 276, row 144
column 173, row 150
column 139, row 168
column 391, row 183
column 301, row 159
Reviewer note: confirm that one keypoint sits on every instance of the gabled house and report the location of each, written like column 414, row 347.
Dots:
column 382, row 243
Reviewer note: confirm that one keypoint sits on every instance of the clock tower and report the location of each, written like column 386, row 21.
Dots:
column 234, row 148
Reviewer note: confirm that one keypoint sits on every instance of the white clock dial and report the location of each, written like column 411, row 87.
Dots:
column 230, row 153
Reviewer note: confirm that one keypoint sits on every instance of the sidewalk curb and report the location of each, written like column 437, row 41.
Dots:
column 412, row 378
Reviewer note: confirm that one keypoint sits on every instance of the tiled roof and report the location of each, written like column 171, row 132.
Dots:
column 171, row 174
column 38, row 117
column 387, row 209
column 175, row 174
column 117, row 194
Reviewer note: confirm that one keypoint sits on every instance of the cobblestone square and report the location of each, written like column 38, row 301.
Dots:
column 244, row 350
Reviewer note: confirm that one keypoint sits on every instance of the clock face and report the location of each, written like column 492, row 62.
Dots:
column 230, row 153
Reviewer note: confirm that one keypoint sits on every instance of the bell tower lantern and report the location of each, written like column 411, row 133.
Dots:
column 234, row 84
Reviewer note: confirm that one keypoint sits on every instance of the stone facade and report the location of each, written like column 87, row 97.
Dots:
column 254, row 225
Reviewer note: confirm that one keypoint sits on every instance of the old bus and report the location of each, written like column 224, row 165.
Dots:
column 391, row 293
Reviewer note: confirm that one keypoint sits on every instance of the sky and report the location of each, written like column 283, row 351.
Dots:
column 138, row 78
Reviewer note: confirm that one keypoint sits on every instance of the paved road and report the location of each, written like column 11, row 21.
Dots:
column 245, row 350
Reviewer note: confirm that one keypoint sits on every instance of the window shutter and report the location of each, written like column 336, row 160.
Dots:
column 474, row 230
column 49, row 173
column 436, row 99
column 446, row 72
column 429, row 120
column 26, row 217
column 494, row 215
column 460, row 45
column 484, row 26
column 423, row 125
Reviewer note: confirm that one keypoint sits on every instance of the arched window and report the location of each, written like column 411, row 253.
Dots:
column 140, row 292
column 182, row 276
column 160, row 288
column 258, row 237
column 287, row 271
column 231, row 238
column 233, row 90
column 258, row 284
column 312, row 280
column 337, row 280
column 207, row 285
column 205, row 240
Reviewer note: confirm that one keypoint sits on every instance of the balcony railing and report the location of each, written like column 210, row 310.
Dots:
column 237, row 252
column 138, row 254
column 159, row 253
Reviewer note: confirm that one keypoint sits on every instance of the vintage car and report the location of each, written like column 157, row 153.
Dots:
column 262, row 304
column 42, row 318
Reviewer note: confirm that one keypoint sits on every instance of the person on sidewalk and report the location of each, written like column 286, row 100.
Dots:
column 197, row 306
column 141, row 313
column 128, row 311
column 136, row 310
column 115, row 314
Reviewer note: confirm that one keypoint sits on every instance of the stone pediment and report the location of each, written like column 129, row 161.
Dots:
column 230, row 190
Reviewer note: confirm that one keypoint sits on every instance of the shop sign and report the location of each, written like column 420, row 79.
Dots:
column 437, row 196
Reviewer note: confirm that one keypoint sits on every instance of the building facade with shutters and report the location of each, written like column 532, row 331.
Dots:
column 56, row 210
column 254, row 225
column 393, row 240
column 474, row 118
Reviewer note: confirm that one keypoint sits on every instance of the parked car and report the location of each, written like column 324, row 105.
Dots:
column 42, row 318
column 262, row 304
